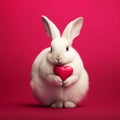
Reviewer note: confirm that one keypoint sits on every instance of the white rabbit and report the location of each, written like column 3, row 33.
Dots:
column 48, row 87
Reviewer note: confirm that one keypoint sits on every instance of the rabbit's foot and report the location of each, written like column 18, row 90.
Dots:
column 68, row 104
column 57, row 104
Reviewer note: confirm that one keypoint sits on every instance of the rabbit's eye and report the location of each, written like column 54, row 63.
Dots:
column 67, row 48
column 51, row 49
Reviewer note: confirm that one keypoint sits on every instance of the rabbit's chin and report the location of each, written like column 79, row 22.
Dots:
column 58, row 63
column 63, row 63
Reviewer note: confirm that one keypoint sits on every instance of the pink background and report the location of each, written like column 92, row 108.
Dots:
column 22, row 37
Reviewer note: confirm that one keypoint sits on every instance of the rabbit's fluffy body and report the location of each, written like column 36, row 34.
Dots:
column 49, row 88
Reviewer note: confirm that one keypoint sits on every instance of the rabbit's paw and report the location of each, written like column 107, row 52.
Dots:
column 67, row 83
column 57, row 104
column 69, row 104
column 54, row 80
column 70, row 81
column 57, row 81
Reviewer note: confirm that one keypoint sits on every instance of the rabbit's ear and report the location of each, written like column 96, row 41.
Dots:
column 51, row 28
column 72, row 30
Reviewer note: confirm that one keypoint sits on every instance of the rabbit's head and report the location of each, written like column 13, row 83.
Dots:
column 61, row 51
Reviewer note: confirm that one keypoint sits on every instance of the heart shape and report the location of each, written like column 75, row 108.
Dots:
column 63, row 71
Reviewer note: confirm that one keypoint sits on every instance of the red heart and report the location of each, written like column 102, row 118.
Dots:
column 63, row 71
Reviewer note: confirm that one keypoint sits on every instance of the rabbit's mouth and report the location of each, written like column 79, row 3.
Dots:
column 58, row 62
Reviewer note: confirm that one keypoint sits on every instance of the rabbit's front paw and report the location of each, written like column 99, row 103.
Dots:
column 70, row 81
column 67, row 83
column 57, row 81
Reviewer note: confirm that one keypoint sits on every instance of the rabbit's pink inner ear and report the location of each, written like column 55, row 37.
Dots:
column 47, row 28
column 72, row 30
column 51, row 28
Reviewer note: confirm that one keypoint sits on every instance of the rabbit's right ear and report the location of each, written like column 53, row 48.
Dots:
column 72, row 30
column 51, row 28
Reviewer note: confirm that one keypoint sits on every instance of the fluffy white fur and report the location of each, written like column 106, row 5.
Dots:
column 48, row 87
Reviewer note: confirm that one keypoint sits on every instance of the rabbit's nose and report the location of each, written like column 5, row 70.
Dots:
column 58, row 59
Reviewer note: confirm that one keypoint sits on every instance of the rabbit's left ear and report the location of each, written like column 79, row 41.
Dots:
column 72, row 30
column 51, row 28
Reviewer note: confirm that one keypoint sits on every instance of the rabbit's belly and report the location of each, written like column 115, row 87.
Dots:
column 49, row 94
column 72, row 94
